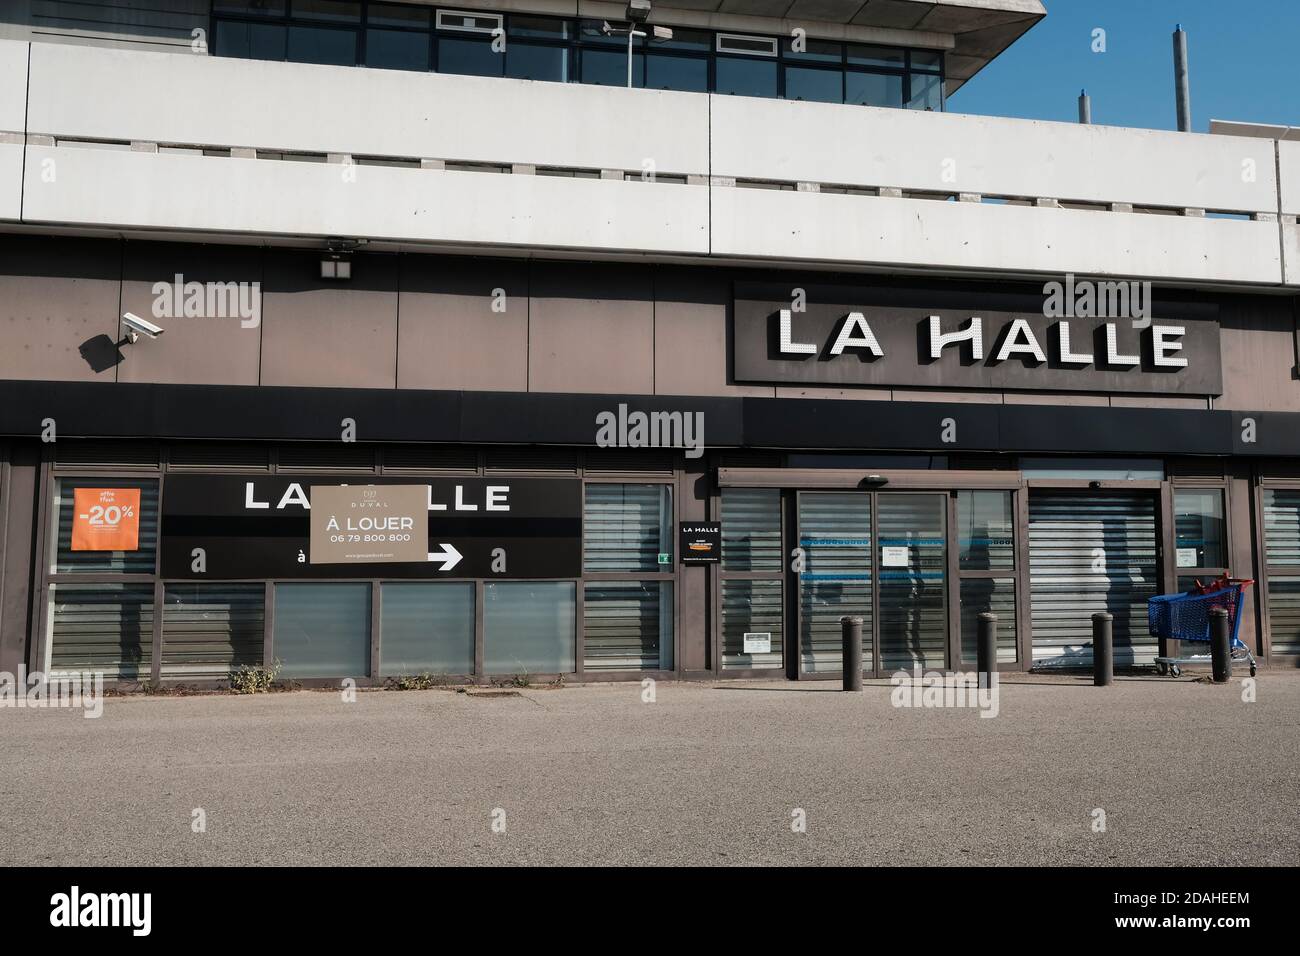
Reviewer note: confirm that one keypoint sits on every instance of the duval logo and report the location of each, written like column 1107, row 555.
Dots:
column 934, row 689
column 624, row 429
column 209, row 300
column 75, row 909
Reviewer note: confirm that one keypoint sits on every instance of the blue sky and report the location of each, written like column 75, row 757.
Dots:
column 1243, row 56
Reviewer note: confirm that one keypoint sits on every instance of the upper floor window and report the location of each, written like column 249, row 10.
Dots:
column 400, row 36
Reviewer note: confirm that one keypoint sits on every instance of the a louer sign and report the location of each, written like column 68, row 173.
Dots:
column 948, row 338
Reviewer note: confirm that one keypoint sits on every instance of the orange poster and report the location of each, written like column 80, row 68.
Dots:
column 106, row 519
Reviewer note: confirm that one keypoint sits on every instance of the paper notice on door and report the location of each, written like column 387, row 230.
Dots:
column 1187, row 557
column 893, row 557
column 758, row 642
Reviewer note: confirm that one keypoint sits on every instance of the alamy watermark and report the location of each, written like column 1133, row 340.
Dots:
column 208, row 300
column 59, row 689
column 934, row 689
column 1092, row 299
column 624, row 429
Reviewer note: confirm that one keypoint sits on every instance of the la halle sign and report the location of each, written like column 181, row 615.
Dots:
column 908, row 337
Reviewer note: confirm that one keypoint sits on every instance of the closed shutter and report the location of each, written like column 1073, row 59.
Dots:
column 1282, row 558
column 102, row 627
column 1090, row 553
column 211, row 630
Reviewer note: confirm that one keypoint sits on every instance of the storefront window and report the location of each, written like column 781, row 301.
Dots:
column 751, row 625
column 628, row 625
column 210, row 630
column 426, row 628
column 1198, row 528
column 627, row 527
column 105, row 525
column 751, row 529
column 627, row 534
column 835, row 537
column 751, row 579
column 529, row 627
column 322, row 630
column 986, row 545
column 912, row 549
column 102, row 627
column 985, row 538
column 1282, row 559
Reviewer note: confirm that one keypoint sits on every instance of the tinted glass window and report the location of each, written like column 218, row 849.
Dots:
column 927, row 92
column 538, row 27
column 529, row 627
column 746, row 77
column 819, row 51
column 257, row 41
column 339, row 11
column 822, row 86
column 875, row 55
column 665, row 72
column 397, row 50
column 323, row 630
column 873, row 89
column 250, row 7
column 398, row 15
column 609, row 68
column 687, row 40
column 590, row 31
column 471, row 57
column 322, row 45
column 926, row 60
column 525, row 61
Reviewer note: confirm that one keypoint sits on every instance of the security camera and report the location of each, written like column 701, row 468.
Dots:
column 638, row 10
column 136, row 327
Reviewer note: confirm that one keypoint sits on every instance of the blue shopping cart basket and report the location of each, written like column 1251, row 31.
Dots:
column 1186, row 618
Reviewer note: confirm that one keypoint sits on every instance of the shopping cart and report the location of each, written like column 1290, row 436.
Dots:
column 1186, row 617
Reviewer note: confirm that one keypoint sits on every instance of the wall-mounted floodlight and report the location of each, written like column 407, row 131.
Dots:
column 136, row 327
column 638, row 11
column 657, row 34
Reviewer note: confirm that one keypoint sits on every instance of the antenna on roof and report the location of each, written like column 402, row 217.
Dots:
column 1182, row 88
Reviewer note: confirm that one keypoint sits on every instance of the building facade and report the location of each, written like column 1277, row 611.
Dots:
column 671, row 377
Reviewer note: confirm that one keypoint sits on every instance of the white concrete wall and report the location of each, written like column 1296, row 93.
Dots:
column 84, row 93
column 828, row 228
column 950, row 152
column 216, row 101
column 13, row 121
column 212, row 194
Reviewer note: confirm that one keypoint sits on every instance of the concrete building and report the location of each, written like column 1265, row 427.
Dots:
column 680, row 373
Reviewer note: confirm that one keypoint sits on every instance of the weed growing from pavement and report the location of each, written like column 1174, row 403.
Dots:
column 249, row 679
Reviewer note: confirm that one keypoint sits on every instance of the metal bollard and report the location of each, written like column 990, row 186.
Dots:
column 1220, row 645
column 851, row 634
column 1103, row 649
column 986, row 648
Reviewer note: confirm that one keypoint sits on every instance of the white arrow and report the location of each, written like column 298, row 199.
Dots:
column 449, row 556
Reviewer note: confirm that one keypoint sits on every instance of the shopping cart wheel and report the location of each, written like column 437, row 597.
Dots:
column 1252, row 668
column 1161, row 668
column 1175, row 670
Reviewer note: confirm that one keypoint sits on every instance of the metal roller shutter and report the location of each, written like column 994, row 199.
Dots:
column 1090, row 553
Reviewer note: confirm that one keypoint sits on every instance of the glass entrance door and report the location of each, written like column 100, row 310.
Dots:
column 881, row 556
column 913, row 593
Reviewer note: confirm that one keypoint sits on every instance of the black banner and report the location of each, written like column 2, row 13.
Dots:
column 259, row 527
column 130, row 905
